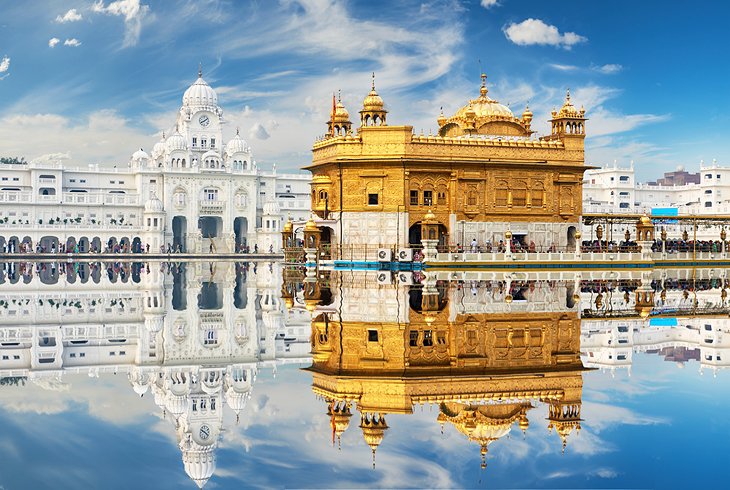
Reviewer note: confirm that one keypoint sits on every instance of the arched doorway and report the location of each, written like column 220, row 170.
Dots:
column 414, row 235
column 210, row 226
column 179, row 230
column 240, row 228
column 137, row 245
column 571, row 237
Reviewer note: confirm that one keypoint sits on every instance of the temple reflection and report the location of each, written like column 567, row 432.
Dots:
column 194, row 335
column 489, row 348
column 486, row 356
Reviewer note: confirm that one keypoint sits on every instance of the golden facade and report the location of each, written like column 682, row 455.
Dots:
column 483, row 166
column 485, row 371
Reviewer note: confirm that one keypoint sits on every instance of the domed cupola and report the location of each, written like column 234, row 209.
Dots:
column 339, row 123
column 200, row 94
column 373, row 111
column 159, row 147
column 237, row 145
column 483, row 116
column 176, row 142
column 139, row 159
column 154, row 205
column 568, row 120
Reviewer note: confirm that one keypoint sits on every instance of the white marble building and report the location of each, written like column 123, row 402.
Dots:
column 191, row 191
column 194, row 337
column 614, row 189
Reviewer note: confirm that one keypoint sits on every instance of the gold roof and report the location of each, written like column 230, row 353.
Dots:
column 310, row 225
column 341, row 114
column 483, row 107
column 373, row 101
column 568, row 110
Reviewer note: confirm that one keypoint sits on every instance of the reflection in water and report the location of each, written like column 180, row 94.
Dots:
column 488, row 351
column 485, row 362
column 135, row 319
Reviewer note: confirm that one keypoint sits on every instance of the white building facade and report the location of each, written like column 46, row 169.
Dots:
column 191, row 193
column 614, row 189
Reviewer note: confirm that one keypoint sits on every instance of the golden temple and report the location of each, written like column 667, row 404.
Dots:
column 482, row 176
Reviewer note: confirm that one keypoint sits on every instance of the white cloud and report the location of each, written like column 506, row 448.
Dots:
column 70, row 16
column 53, row 41
column 535, row 31
column 73, row 42
column 133, row 12
column 489, row 3
column 560, row 67
column 609, row 69
column 5, row 64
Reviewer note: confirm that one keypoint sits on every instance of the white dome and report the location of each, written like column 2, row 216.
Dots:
column 237, row 145
column 153, row 205
column 140, row 155
column 199, row 465
column 200, row 94
column 210, row 154
column 272, row 208
column 176, row 142
column 176, row 404
column 159, row 148
column 236, row 401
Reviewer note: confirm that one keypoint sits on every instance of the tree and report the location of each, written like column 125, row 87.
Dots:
column 13, row 160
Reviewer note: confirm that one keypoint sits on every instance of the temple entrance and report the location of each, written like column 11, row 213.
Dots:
column 210, row 226
column 179, row 230
column 571, row 237
column 240, row 229
column 414, row 236
column 137, row 245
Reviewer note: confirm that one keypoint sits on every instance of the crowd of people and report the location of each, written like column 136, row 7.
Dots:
column 27, row 247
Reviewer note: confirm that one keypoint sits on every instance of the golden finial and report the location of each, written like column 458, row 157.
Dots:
column 163, row 135
column 200, row 70
column 339, row 95
column 373, row 85
column 567, row 96
column 238, row 131
column 483, row 88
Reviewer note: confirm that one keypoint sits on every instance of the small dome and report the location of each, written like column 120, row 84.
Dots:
column 272, row 208
column 373, row 101
column 200, row 94
column 310, row 225
column 568, row 109
column 154, row 205
column 237, row 145
column 140, row 155
column 176, row 142
column 341, row 114
column 199, row 465
column 159, row 147
column 210, row 154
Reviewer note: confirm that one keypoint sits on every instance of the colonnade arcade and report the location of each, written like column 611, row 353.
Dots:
column 63, row 243
column 655, row 234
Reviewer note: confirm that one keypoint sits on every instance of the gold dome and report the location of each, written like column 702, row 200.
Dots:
column 311, row 304
column 645, row 312
column 341, row 114
column 483, row 107
column 288, row 226
column 310, row 225
column 373, row 101
column 430, row 217
column 645, row 220
column 568, row 109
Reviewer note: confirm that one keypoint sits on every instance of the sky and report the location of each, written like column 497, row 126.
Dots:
column 92, row 81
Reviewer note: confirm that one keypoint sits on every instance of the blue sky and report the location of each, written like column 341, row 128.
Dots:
column 92, row 81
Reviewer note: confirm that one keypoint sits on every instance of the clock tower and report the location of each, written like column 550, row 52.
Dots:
column 200, row 120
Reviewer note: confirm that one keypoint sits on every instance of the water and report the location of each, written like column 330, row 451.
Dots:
column 246, row 375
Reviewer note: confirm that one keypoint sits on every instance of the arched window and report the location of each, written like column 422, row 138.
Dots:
column 501, row 193
column 538, row 195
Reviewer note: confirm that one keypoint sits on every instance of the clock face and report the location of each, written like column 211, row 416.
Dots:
column 204, row 121
column 204, row 432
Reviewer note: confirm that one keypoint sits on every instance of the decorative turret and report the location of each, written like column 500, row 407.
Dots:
column 339, row 123
column 568, row 120
column 339, row 413
column 564, row 418
column 373, row 111
column 527, row 117
column 373, row 427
